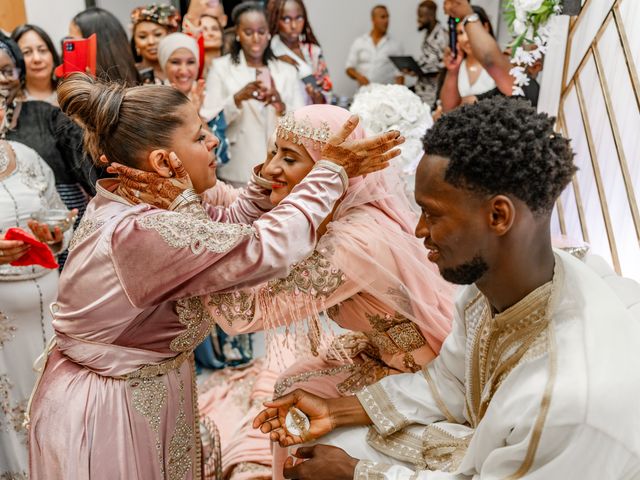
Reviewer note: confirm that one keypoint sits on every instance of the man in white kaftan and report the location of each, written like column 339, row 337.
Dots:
column 540, row 375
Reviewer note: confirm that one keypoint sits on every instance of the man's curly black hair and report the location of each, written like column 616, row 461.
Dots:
column 503, row 146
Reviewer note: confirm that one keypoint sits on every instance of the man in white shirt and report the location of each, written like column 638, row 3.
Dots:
column 368, row 60
column 540, row 376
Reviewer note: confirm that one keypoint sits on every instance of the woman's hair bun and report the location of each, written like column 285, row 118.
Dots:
column 94, row 104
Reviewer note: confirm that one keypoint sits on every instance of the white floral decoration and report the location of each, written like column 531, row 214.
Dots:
column 529, row 24
column 395, row 107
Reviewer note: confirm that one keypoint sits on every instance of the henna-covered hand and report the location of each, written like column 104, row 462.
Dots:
column 359, row 157
column 138, row 186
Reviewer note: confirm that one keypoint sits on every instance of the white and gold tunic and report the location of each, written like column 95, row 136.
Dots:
column 548, row 389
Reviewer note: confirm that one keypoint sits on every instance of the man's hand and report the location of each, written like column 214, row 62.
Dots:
column 272, row 419
column 457, row 8
column 320, row 462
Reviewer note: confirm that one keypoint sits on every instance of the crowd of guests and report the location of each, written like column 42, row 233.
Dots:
column 213, row 190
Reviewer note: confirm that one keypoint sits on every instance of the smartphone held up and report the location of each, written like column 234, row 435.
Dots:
column 78, row 55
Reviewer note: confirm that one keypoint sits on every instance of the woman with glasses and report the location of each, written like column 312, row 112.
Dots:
column 293, row 40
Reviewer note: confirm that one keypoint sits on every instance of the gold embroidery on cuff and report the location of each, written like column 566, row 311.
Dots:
column 233, row 306
column 400, row 445
column 196, row 231
column 442, row 450
column 368, row 470
column 314, row 276
column 381, row 411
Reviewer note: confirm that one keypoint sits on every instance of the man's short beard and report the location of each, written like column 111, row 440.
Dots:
column 466, row 273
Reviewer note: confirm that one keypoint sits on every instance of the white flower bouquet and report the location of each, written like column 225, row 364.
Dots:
column 528, row 21
column 395, row 107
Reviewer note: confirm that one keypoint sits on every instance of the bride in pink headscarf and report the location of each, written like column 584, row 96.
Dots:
column 368, row 274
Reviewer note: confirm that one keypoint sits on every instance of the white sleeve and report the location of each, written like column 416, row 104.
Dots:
column 217, row 95
column 352, row 58
column 436, row 393
column 574, row 451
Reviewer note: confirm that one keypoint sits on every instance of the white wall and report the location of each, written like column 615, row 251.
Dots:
column 338, row 22
column 53, row 17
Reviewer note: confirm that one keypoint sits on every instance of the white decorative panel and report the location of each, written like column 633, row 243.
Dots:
column 616, row 200
column 585, row 177
column 585, row 31
column 630, row 10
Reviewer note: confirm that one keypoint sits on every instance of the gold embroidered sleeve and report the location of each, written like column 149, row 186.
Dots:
column 195, row 230
column 314, row 276
column 232, row 307
column 368, row 470
column 382, row 412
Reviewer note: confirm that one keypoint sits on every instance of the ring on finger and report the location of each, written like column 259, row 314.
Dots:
column 136, row 193
column 254, row 94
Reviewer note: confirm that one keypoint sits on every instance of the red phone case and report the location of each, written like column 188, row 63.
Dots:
column 78, row 55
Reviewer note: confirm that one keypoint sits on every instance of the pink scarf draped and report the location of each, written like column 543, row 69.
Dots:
column 376, row 207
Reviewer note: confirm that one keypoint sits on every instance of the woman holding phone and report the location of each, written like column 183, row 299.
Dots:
column 294, row 40
column 253, row 89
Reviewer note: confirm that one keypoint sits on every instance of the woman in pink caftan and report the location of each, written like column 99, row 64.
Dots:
column 368, row 274
column 116, row 399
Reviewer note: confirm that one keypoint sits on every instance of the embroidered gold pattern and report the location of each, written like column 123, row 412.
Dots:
column 365, row 374
column 6, row 329
column 198, row 323
column 314, row 276
column 233, row 306
column 181, row 444
column 499, row 343
column 14, row 476
column 254, row 468
column 13, row 413
column 86, row 228
column 196, row 231
column 283, row 385
column 394, row 334
column 385, row 416
column 149, row 396
column 156, row 369
column 368, row 470
column 401, row 445
column 442, row 450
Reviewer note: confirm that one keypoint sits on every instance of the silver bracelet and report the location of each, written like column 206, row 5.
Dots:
column 186, row 197
column 334, row 167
